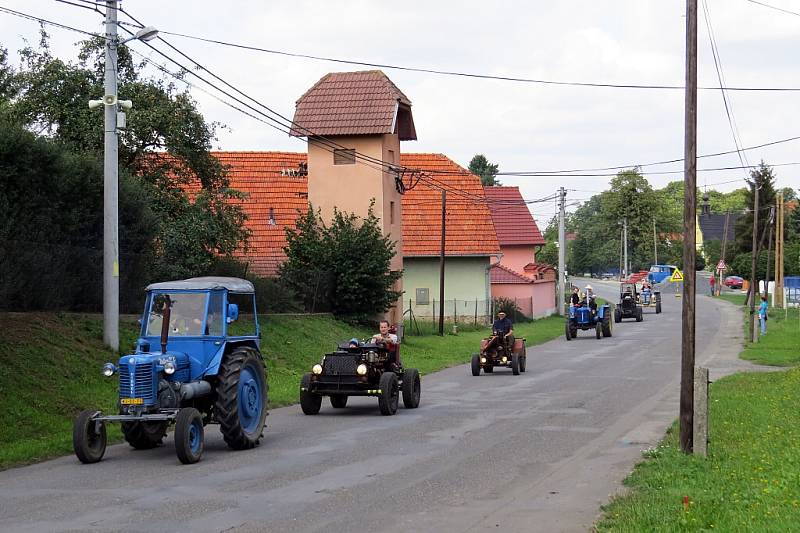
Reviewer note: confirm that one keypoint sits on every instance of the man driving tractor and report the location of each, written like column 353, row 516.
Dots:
column 503, row 326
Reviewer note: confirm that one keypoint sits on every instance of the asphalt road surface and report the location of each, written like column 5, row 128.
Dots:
column 536, row 452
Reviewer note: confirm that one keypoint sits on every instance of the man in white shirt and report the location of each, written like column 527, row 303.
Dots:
column 384, row 335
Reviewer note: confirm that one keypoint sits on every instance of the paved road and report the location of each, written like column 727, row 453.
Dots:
column 536, row 452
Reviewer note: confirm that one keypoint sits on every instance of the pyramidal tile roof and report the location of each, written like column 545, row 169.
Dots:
column 469, row 228
column 502, row 274
column 512, row 218
column 353, row 103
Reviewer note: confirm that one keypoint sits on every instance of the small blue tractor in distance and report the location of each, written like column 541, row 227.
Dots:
column 584, row 317
column 196, row 361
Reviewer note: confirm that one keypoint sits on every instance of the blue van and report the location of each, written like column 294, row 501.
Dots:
column 659, row 273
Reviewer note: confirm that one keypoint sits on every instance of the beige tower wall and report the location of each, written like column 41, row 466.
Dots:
column 350, row 188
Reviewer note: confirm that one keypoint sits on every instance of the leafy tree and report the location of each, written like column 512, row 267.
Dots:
column 51, row 226
column 343, row 267
column 734, row 201
column 50, row 98
column 480, row 166
column 764, row 180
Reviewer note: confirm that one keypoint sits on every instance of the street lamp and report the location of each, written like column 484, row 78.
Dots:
column 114, row 119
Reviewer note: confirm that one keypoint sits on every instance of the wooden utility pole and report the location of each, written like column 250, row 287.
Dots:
column 752, row 292
column 778, row 300
column 689, row 231
column 655, row 243
column 769, row 251
column 441, row 265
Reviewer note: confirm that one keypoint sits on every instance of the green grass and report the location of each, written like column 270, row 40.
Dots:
column 50, row 368
column 750, row 480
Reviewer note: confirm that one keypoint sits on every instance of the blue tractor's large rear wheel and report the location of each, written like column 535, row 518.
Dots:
column 241, row 405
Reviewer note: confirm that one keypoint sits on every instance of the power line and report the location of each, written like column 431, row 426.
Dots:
column 775, row 8
column 728, row 105
column 466, row 74
column 386, row 166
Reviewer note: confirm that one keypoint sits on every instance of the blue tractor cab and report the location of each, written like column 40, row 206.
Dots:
column 197, row 361
column 586, row 316
column 659, row 273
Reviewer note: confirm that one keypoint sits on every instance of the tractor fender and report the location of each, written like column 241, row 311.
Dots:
column 213, row 367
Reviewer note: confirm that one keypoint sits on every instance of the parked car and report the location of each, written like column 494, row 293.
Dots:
column 733, row 282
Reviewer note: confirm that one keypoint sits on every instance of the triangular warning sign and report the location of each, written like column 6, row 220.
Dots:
column 677, row 275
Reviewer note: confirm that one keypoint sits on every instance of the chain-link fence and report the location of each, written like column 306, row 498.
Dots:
column 467, row 311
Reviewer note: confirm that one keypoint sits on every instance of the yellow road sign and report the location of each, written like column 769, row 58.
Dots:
column 677, row 275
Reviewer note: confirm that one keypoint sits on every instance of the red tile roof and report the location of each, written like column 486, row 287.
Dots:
column 274, row 188
column 503, row 274
column 512, row 219
column 275, row 184
column 354, row 103
column 469, row 230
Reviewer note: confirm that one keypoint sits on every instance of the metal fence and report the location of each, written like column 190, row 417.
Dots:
column 466, row 311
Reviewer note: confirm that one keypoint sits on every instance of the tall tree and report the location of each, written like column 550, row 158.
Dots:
column 480, row 166
column 762, row 178
column 50, row 99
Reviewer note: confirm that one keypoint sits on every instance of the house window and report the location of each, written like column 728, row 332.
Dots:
column 391, row 212
column 390, row 157
column 423, row 297
column 272, row 216
column 344, row 156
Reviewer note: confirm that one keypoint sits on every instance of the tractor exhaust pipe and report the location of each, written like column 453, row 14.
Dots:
column 165, row 323
column 195, row 390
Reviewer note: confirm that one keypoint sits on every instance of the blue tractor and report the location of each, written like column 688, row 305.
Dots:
column 196, row 361
column 587, row 316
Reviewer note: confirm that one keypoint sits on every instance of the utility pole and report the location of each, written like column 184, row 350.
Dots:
column 655, row 243
column 778, row 300
column 625, row 246
column 689, row 232
column 562, row 248
column 441, row 265
column 111, row 187
column 769, row 250
column 752, row 292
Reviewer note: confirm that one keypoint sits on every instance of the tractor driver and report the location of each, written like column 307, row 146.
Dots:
column 503, row 326
column 590, row 301
column 389, row 339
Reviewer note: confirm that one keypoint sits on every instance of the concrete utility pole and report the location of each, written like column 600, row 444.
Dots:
column 778, row 299
column 751, row 294
column 562, row 248
column 724, row 248
column 625, row 266
column 689, row 232
column 441, row 265
column 111, row 187
column 655, row 243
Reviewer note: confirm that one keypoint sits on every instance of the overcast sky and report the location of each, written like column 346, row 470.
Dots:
column 520, row 126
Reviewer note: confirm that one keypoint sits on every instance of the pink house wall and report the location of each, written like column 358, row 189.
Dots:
column 516, row 257
column 533, row 299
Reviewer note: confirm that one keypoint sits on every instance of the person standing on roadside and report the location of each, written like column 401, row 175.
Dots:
column 762, row 315
column 711, row 283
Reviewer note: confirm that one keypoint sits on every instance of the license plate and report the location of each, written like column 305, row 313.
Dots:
column 132, row 401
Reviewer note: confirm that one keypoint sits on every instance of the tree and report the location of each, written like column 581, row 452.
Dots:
column 481, row 167
column 343, row 267
column 49, row 98
column 764, row 180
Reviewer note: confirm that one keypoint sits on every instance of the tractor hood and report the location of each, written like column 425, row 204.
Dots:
column 159, row 362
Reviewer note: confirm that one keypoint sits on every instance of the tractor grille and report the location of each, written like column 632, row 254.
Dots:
column 340, row 365
column 137, row 382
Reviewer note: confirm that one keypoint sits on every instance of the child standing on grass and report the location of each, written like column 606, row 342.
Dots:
column 762, row 315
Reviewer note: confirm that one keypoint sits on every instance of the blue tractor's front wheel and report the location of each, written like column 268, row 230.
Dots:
column 241, row 405
column 189, row 435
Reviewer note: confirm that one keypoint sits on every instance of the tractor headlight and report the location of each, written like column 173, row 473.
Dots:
column 169, row 368
column 505, row 358
column 109, row 370
column 361, row 369
column 483, row 359
column 317, row 369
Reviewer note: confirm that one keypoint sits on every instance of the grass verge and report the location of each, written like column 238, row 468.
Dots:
column 749, row 482
column 50, row 369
